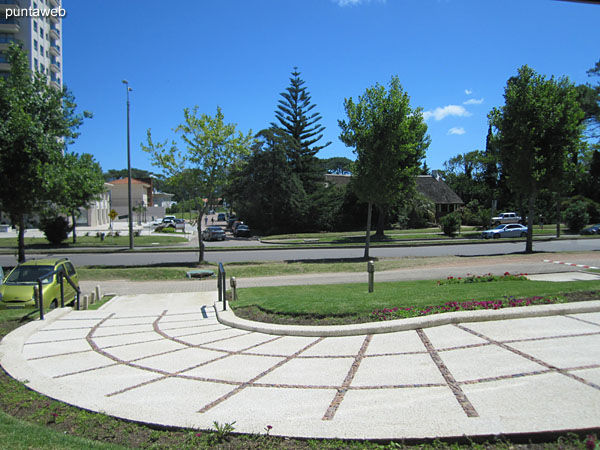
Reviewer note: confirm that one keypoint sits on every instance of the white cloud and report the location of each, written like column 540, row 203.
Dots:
column 355, row 2
column 457, row 130
column 468, row 91
column 473, row 101
column 450, row 110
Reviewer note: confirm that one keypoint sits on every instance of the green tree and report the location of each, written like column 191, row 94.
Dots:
column 537, row 129
column 337, row 165
column 297, row 120
column 211, row 146
column 77, row 183
column 389, row 139
column 36, row 124
column 265, row 190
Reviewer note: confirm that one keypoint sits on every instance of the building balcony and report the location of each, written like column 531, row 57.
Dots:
column 55, row 49
column 54, row 32
column 54, row 3
column 8, row 4
column 9, row 25
column 54, row 84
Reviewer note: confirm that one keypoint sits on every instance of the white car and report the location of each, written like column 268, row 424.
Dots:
column 507, row 230
column 507, row 217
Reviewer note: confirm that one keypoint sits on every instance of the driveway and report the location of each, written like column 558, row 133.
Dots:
column 166, row 359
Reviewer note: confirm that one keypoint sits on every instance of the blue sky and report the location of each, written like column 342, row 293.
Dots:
column 452, row 57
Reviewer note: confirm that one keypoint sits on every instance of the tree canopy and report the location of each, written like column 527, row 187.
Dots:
column 297, row 120
column 537, row 129
column 211, row 147
column 389, row 139
column 36, row 124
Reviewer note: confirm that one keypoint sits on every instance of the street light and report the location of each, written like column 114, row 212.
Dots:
column 129, row 216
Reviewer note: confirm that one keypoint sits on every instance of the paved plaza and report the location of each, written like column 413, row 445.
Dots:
column 166, row 359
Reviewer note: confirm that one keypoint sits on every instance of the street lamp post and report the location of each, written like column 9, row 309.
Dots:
column 129, row 216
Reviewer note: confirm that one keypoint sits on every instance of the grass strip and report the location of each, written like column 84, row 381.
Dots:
column 353, row 300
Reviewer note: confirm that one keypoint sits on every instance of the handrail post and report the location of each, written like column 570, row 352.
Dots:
column 222, row 286
column 62, row 290
column 40, row 298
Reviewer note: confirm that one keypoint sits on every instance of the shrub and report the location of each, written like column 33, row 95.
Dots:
column 576, row 216
column 451, row 223
column 56, row 229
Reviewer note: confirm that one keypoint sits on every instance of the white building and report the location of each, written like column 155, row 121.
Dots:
column 37, row 25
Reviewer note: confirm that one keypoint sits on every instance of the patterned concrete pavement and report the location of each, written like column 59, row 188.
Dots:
column 165, row 359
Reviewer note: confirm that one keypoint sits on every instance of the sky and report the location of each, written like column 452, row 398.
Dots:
column 453, row 58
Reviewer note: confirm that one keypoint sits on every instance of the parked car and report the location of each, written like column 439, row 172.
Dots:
column 594, row 229
column 221, row 217
column 507, row 217
column 230, row 221
column 213, row 233
column 236, row 224
column 508, row 230
column 242, row 231
column 17, row 290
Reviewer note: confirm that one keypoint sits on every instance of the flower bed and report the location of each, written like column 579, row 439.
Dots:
column 488, row 277
column 506, row 302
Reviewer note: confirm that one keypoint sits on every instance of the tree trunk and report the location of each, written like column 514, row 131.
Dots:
column 21, row 238
column 368, row 235
column 200, row 241
column 558, row 216
column 529, row 244
column 74, row 230
column 380, row 222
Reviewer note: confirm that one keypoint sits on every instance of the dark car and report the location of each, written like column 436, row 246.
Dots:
column 594, row 229
column 230, row 222
column 221, row 217
column 242, row 231
column 213, row 233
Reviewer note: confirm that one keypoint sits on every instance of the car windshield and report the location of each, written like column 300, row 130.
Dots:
column 29, row 274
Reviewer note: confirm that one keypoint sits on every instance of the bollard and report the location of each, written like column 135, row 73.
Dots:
column 233, row 284
column 98, row 296
column 85, row 302
column 36, row 296
column 92, row 298
column 371, row 270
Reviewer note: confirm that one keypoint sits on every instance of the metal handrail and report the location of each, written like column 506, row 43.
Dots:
column 222, row 286
column 63, row 275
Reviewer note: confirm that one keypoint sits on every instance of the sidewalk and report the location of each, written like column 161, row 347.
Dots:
column 166, row 360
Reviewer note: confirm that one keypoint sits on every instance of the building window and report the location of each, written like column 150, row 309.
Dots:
column 42, row 50
column 35, row 25
column 35, row 63
column 35, row 44
column 42, row 32
column 42, row 68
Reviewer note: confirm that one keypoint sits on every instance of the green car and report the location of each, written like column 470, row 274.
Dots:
column 17, row 290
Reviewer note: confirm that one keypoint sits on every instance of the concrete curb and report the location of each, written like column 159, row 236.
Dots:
column 230, row 319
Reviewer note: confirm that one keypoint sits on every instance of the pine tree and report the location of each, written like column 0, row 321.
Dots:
column 300, row 124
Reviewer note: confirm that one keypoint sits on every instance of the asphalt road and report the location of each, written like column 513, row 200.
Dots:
column 295, row 254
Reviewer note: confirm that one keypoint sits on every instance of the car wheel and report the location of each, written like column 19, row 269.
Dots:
column 54, row 304
column 497, row 236
column 523, row 234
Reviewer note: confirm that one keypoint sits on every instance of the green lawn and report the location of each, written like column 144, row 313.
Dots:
column 350, row 237
column 250, row 269
column 94, row 241
column 353, row 299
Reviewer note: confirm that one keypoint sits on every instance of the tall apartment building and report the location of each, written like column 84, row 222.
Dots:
column 37, row 24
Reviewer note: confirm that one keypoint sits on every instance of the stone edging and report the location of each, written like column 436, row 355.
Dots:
column 230, row 319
